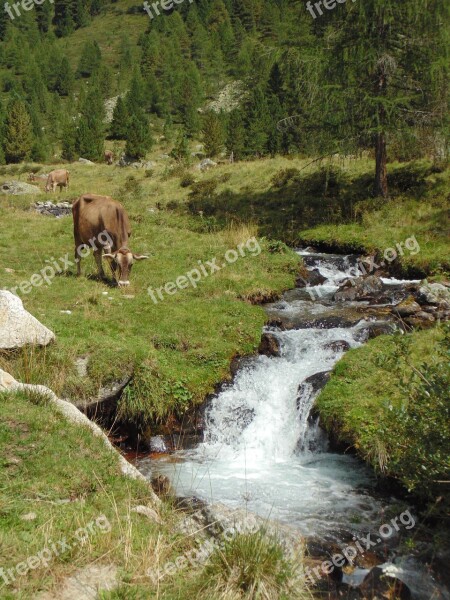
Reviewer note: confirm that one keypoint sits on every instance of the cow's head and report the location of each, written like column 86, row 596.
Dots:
column 121, row 263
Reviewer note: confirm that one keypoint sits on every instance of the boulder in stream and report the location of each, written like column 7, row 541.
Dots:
column 360, row 288
column 270, row 345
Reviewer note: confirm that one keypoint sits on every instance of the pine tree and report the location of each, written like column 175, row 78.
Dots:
column 18, row 136
column 90, row 135
column 63, row 19
column 139, row 136
column 236, row 135
column 119, row 124
column 386, row 67
column 181, row 150
column 90, row 59
column 258, row 123
column 213, row 134
column 69, row 141
column 64, row 81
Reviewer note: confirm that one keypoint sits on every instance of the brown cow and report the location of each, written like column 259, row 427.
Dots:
column 58, row 178
column 34, row 177
column 109, row 157
column 104, row 220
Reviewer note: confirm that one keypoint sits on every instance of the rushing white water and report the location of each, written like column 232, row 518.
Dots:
column 256, row 449
column 262, row 449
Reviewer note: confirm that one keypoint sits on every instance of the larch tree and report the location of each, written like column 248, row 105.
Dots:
column 386, row 73
column 18, row 136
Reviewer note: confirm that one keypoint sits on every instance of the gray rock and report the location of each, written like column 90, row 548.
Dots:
column 337, row 346
column 17, row 327
column 270, row 345
column 407, row 307
column 359, row 288
column 433, row 293
column 206, row 164
column 85, row 161
column 16, row 188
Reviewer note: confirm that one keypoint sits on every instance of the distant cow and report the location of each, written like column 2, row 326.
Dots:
column 34, row 177
column 58, row 178
column 104, row 221
column 109, row 157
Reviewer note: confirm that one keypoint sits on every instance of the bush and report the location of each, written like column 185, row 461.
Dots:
column 187, row 180
column 283, row 177
column 203, row 189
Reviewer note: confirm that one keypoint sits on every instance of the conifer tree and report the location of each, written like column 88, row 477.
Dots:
column 386, row 67
column 64, row 80
column 236, row 135
column 139, row 136
column 69, row 141
column 213, row 134
column 90, row 59
column 18, row 136
column 90, row 135
column 119, row 124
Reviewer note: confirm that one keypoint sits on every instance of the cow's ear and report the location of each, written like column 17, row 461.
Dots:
column 140, row 256
column 108, row 255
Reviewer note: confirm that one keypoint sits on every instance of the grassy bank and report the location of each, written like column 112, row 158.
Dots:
column 421, row 212
column 389, row 400
column 180, row 347
column 65, row 507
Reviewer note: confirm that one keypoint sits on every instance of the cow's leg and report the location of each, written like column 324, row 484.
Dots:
column 54, row 187
column 98, row 259
column 78, row 261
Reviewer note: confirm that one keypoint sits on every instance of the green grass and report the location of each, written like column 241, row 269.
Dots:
column 389, row 400
column 182, row 346
column 381, row 225
column 61, row 486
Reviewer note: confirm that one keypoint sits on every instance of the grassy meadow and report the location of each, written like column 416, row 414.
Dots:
column 179, row 348
column 65, row 506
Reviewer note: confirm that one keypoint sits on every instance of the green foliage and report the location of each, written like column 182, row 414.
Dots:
column 90, row 134
column 139, row 136
column 90, row 59
column 389, row 399
column 18, row 138
column 252, row 565
column 213, row 134
column 119, row 124
column 284, row 176
column 423, row 416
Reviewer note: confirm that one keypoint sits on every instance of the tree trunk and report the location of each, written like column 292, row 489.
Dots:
column 381, row 183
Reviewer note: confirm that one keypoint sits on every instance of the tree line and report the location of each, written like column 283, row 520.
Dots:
column 367, row 76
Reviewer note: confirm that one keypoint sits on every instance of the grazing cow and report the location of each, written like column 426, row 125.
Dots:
column 109, row 157
column 58, row 178
column 34, row 177
column 96, row 218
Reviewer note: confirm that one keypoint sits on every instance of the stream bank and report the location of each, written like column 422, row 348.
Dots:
column 263, row 447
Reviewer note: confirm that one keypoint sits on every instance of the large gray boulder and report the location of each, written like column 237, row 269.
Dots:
column 433, row 293
column 17, row 327
column 16, row 188
column 359, row 288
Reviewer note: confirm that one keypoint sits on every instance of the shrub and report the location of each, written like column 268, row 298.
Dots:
column 203, row 189
column 283, row 177
column 187, row 180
